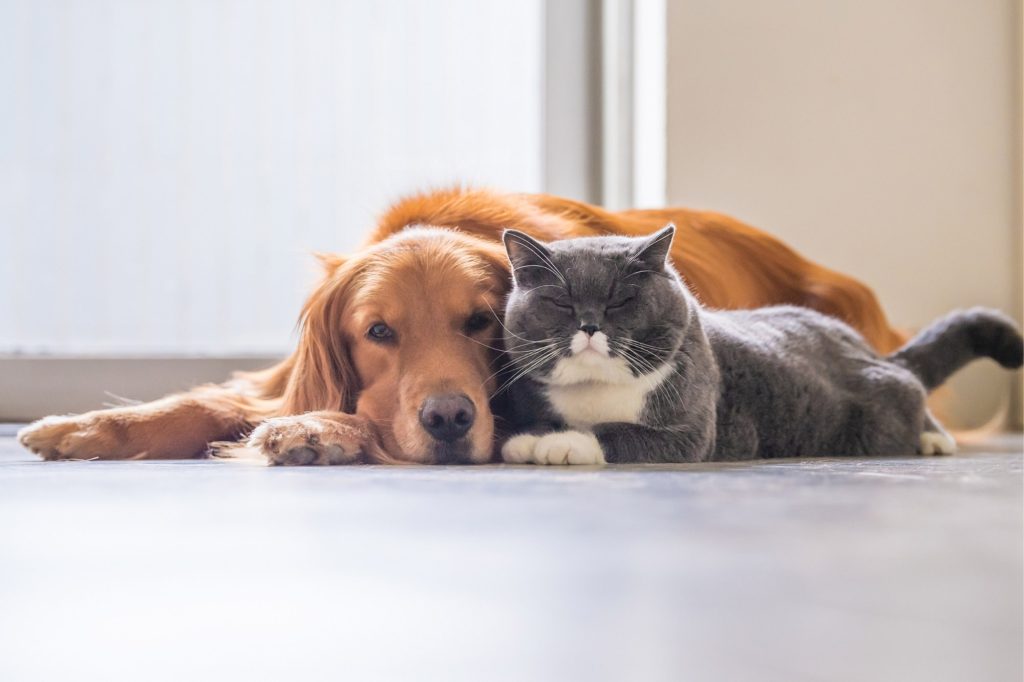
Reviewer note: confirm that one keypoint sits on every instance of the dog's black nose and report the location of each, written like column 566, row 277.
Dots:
column 447, row 417
column 589, row 329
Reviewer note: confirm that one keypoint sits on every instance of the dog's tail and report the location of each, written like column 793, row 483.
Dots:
column 955, row 340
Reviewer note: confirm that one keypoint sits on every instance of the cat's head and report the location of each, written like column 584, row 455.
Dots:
column 594, row 308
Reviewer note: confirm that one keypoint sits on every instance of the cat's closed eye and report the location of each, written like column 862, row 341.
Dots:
column 620, row 304
column 558, row 303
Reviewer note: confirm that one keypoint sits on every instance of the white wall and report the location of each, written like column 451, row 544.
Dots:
column 880, row 137
column 167, row 165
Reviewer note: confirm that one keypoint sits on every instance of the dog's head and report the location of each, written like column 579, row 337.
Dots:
column 406, row 335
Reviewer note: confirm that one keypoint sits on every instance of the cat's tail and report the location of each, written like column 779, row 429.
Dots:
column 951, row 342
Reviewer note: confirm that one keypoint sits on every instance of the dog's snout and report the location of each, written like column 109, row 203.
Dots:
column 447, row 417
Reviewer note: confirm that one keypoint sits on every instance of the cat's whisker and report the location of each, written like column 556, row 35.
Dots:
column 664, row 387
column 667, row 388
column 481, row 343
column 538, row 359
column 510, row 381
column 630, row 354
column 641, row 344
column 511, row 349
column 629, row 344
column 625, row 353
column 535, row 363
column 542, row 267
column 491, row 376
column 555, row 286
column 550, row 339
column 663, row 354
column 634, row 342
column 544, row 258
column 527, row 356
column 522, row 356
column 498, row 318
column 639, row 272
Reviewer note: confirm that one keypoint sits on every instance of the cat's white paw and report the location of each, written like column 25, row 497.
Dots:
column 937, row 443
column 563, row 447
column 519, row 449
column 568, row 447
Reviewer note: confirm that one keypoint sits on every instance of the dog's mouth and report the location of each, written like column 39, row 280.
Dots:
column 453, row 452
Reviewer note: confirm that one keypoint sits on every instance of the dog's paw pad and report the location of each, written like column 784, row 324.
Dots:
column 297, row 457
column 305, row 439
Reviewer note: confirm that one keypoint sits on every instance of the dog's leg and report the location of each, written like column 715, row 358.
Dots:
column 176, row 427
column 316, row 438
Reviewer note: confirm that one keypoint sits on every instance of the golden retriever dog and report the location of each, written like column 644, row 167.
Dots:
column 399, row 348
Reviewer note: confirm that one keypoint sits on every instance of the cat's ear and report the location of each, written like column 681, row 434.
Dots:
column 653, row 251
column 530, row 259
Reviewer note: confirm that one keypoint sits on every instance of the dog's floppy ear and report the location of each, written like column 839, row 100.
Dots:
column 323, row 377
column 652, row 252
column 329, row 261
column 530, row 259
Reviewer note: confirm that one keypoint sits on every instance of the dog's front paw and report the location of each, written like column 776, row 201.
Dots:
column 307, row 439
column 50, row 437
column 563, row 447
column 94, row 435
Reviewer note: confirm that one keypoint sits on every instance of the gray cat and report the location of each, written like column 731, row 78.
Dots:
column 613, row 360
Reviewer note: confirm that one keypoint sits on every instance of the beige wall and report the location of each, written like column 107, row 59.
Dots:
column 880, row 137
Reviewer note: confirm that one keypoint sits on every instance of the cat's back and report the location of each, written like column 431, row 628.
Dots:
column 783, row 334
column 790, row 377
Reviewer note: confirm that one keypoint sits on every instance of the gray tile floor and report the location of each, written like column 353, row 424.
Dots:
column 870, row 569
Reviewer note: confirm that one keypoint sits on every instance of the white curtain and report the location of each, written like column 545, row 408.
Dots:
column 167, row 165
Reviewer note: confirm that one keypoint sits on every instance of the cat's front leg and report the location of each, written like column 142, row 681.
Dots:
column 557, row 448
column 621, row 443
column 625, row 443
column 935, row 440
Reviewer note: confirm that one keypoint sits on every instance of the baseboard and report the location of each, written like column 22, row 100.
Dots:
column 33, row 387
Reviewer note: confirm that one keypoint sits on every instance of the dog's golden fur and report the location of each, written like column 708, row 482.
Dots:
column 342, row 397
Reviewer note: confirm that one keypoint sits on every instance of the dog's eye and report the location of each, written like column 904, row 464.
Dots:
column 478, row 322
column 380, row 332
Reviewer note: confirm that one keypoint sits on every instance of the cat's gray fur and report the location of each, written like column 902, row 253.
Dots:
column 774, row 382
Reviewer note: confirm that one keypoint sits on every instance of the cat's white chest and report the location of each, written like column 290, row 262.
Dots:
column 590, row 390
